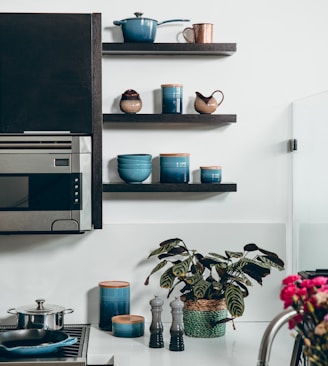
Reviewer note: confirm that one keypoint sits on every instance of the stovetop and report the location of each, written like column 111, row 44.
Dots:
column 75, row 355
column 315, row 273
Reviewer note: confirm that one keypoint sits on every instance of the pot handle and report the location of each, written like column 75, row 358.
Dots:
column 173, row 20
column 68, row 342
column 119, row 22
column 12, row 311
column 68, row 311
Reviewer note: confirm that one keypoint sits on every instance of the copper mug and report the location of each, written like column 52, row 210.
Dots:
column 199, row 33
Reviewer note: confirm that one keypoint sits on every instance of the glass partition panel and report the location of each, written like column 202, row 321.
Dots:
column 310, row 183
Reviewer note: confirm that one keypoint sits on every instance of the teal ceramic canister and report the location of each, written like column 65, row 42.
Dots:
column 174, row 168
column 128, row 326
column 114, row 300
column 172, row 98
column 210, row 174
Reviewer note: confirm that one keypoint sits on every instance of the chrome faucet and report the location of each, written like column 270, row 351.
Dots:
column 270, row 333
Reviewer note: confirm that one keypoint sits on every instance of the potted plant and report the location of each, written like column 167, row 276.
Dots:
column 211, row 284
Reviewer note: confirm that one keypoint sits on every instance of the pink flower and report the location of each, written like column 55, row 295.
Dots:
column 291, row 279
column 309, row 297
column 319, row 281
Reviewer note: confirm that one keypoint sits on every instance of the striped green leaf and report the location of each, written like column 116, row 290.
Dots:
column 235, row 301
column 200, row 288
column 181, row 268
column 167, row 279
column 165, row 247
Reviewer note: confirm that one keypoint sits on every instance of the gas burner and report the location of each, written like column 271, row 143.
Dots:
column 75, row 354
column 312, row 274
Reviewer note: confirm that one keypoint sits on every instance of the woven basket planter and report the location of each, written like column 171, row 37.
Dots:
column 199, row 315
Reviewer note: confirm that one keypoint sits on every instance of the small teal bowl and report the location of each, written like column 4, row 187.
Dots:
column 146, row 157
column 134, row 165
column 210, row 174
column 133, row 161
column 137, row 175
column 128, row 326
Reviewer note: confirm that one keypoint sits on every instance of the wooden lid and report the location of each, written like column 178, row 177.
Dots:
column 114, row 284
column 128, row 319
column 175, row 154
column 171, row 85
column 211, row 167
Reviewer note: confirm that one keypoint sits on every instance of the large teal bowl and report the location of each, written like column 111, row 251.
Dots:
column 134, row 175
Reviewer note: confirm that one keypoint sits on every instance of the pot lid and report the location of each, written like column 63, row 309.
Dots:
column 40, row 308
column 139, row 15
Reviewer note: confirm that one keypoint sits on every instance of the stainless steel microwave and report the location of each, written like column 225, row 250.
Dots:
column 45, row 183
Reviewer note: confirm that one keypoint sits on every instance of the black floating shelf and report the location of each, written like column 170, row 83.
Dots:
column 180, row 49
column 169, row 118
column 170, row 187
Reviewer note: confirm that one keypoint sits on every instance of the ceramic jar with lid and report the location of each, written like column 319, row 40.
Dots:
column 114, row 300
column 172, row 98
column 130, row 102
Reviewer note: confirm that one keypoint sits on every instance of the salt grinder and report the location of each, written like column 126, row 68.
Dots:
column 176, row 330
column 156, row 326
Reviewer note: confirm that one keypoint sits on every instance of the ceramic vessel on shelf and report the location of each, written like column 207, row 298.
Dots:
column 210, row 174
column 174, row 168
column 130, row 102
column 207, row 105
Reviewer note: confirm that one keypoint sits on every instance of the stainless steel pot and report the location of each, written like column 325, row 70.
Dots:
column 41, row 317
column 141, row 29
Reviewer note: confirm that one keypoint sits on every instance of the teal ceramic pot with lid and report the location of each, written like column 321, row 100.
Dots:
column 141, row 29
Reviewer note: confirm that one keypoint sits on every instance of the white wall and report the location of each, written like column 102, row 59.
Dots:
column 280, row 57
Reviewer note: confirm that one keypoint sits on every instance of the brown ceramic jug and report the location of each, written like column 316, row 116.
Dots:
column 207, row 105
column 130, row 102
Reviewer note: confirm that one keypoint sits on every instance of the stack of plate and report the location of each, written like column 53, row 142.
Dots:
column 174, row 168
column 134, row 168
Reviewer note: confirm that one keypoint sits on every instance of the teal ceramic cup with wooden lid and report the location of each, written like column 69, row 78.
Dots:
column 128, row 326
column 210, row 174
column 114, row 300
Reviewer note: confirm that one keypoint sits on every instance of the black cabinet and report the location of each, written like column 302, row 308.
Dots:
column 46, row 72
column 50, row 80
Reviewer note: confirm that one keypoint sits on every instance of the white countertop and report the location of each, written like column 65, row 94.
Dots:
column 238, row 347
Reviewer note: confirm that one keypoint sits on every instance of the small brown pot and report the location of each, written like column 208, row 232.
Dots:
column 41, row 317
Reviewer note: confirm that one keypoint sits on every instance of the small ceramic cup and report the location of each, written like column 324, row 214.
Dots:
column 210, row 174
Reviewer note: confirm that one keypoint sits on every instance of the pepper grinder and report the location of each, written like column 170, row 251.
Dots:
column 156, row 326
column 176, row 330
